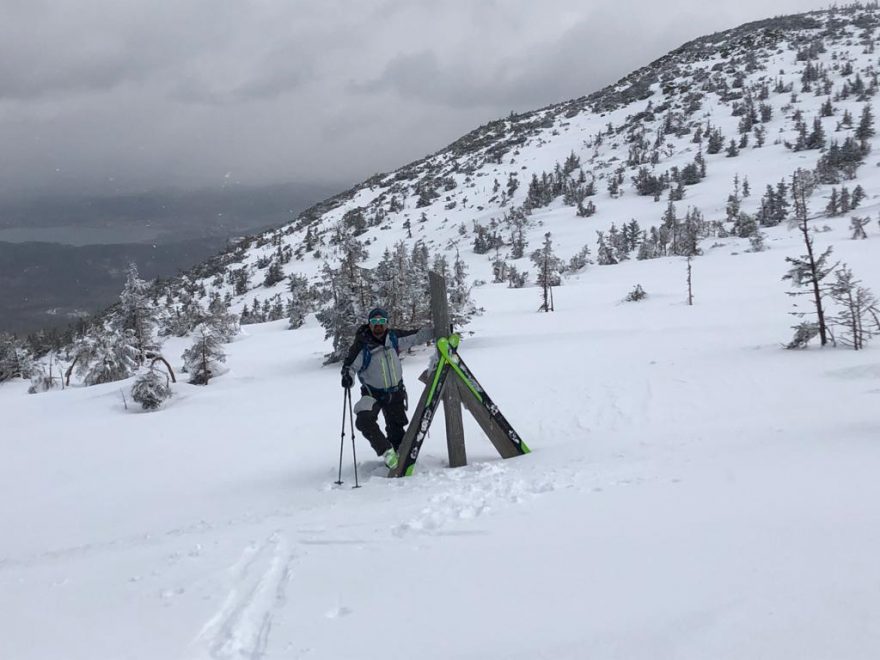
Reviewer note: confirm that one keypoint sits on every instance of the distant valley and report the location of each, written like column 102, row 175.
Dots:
column 62, row 257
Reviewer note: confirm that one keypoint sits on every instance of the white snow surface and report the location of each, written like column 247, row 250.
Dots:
column 694, row 491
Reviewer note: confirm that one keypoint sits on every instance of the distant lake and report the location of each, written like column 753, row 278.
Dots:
column 79, row 236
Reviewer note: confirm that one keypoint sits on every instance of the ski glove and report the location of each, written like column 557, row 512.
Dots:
column 347, row 380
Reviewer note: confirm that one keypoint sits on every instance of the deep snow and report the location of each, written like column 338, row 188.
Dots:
column 694, row 491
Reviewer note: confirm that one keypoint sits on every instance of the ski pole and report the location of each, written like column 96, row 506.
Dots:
column 353, row 452
column 338, row 481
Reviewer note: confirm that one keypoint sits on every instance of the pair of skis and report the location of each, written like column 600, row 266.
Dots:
column 451, row 371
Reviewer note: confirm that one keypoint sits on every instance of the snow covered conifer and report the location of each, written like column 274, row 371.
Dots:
column 757, row 242
column 15, row 361
column 105, row 357
column 517, row 279
column 151, row 388
column 417, row 301
column 518, row 223
column 221, row 321
column 299, row 301
column 833, row 207
column 580, row 260
column 348, row 290
column 745, row 225
column 734, row 201
column 865, row 129
column 181, row 320
column 804, row 332
column 604, row 253
column 392, row 279
column 274, row 274
column 857, row 227
column 137, row 315
column 42, row 380
column 549, row 267
column 202, row 359
column 499, row 269
column 240, row 280
column 461, row 306
column 637, row 294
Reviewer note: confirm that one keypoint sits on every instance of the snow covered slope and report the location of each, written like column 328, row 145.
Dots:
column 753, row 85
column 694, row 491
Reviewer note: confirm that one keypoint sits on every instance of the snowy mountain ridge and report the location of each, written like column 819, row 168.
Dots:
column 755, row 85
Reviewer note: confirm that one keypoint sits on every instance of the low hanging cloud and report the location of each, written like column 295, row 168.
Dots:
column 105, row 95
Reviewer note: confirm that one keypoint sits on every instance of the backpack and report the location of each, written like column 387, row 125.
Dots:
column 367, row 354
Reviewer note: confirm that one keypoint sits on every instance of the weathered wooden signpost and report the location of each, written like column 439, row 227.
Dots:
column 451, row 381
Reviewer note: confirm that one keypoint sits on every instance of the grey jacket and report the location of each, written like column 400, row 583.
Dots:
column 377, row 364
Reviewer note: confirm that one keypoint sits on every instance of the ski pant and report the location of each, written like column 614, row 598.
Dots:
column 392, row 405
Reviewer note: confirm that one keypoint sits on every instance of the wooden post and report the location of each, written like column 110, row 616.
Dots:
column 495, row 434
column 451, row 399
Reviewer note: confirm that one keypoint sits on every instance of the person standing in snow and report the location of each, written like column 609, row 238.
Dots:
column 375, row 357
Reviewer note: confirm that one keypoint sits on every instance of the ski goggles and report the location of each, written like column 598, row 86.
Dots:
column 378, row 320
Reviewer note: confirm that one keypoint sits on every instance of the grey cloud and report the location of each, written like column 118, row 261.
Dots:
column 166, row 92
column 587, row 55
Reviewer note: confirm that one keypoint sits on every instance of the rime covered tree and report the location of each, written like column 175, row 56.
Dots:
column 499, row 269
column 299, row 301
column 517, row 279
column 222, row 323
column 461, row 306
column 580, row 260
column 604, row 252
column 416, row 304
column 518, row 223
column 202, row 359
column 137, row 319
column 548, row 268
column 857, row 227
column 183, row 318
column 347, row 290
column 151, row 388
column 105, row 357
column 274, row 274
column 240, row 280
column 15, row 361
column 393, row 278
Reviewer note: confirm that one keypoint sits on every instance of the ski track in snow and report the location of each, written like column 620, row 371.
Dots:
column 257, row 590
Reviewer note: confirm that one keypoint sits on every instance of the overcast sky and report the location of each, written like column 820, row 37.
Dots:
column 135, row 94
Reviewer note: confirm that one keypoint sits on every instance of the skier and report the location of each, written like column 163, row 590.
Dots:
column 374, row 357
